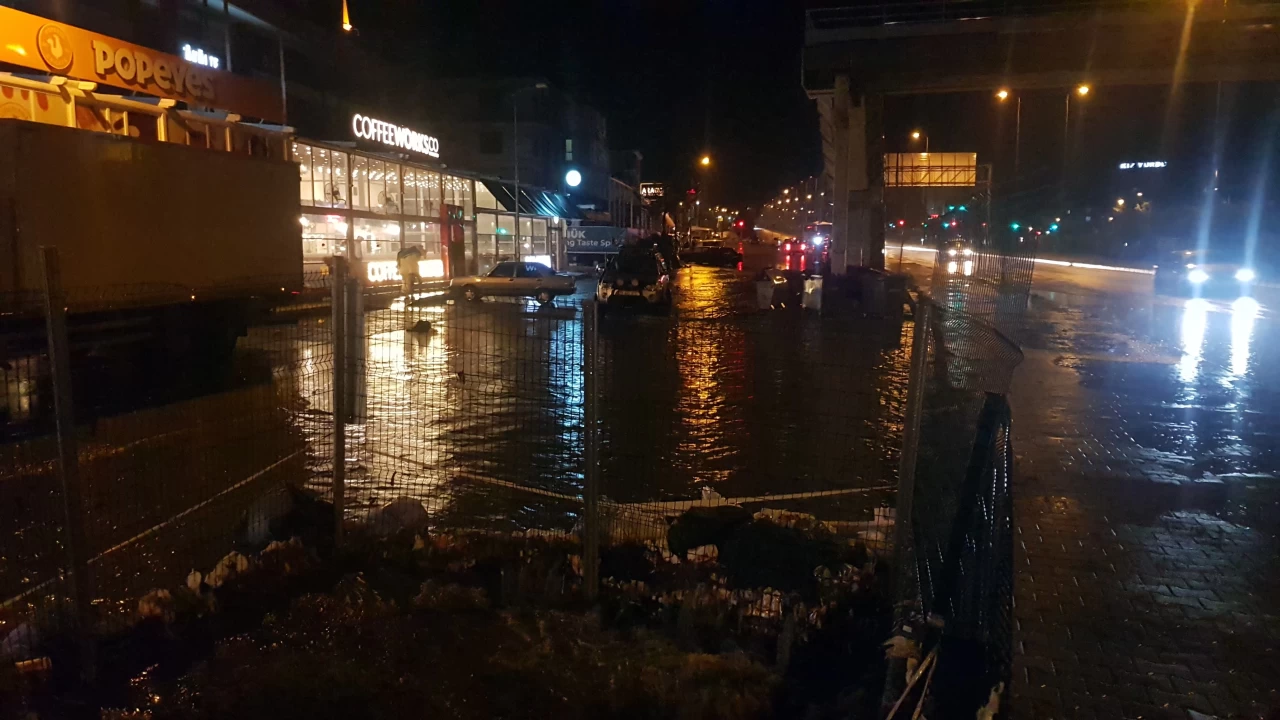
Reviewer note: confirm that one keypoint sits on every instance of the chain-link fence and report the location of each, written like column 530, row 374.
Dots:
column 148, row 432
column 955, row 546
column 143, row 432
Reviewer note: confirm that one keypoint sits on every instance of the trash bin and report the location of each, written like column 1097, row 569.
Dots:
column 764, row 294
column 813, row 293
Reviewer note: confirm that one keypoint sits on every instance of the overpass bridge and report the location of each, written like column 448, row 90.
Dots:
column 855, row 56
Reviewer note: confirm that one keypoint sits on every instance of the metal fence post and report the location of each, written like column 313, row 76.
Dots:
column 354, row 404
column 68, row 455
column 339, row 303
column 591, row 474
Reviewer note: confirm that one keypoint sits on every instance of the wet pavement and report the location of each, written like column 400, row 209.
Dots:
column 1147, row 503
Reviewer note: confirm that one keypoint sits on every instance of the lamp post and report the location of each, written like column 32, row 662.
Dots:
column 1083, row 91
column 1003, row 95
column 916, row 135
column 515, row 149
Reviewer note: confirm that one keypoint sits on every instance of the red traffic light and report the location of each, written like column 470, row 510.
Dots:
column 741, row 224
column 693, row 191
column 902, row 223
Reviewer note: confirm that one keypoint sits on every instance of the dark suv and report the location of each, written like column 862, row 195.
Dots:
column 636, row 276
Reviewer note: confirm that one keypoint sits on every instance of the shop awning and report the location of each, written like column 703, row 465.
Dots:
column 532, row 200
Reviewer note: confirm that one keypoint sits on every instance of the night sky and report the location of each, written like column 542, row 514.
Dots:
column 675, row 78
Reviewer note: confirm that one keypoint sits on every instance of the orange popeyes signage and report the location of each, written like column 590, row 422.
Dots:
column 34, row 42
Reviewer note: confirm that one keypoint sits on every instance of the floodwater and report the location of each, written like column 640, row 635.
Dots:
column 481, row 417
column 476, row 409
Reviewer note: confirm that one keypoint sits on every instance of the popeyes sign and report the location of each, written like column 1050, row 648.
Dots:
column 34, row 42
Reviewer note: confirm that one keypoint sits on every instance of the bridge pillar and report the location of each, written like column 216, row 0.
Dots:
column 858, row 182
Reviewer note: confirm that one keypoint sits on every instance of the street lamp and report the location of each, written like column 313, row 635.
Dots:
column 346, row 17
column 1082, row 90
column 916, row 134
column 705, row 161
column 515, row 150
column 1003, row 95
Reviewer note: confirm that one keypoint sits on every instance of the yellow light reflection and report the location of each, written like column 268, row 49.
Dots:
column 1244, row 313
column 1195, row 317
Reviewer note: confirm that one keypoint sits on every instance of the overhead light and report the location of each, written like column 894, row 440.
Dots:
column 573, row 178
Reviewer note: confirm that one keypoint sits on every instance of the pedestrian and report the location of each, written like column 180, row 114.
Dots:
column 407, row 263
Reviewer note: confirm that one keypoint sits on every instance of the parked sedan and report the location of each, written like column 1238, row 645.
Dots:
column 515, row 279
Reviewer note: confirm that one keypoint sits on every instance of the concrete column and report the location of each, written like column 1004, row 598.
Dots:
column 840, row 116
column 858, row 134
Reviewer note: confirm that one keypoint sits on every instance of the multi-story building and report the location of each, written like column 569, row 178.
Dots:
column 255, row 78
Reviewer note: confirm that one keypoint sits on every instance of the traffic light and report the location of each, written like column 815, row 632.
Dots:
column 902, row 223
column 741, row 224
column 1014, row 226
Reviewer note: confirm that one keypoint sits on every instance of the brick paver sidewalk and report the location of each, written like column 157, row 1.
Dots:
column 1147, row 575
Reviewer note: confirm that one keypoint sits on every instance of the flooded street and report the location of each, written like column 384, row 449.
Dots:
column 482, row 416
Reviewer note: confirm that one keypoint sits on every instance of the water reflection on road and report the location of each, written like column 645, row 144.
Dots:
column 717, row 394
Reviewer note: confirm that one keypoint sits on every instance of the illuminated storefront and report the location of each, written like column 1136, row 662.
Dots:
column 366, row 198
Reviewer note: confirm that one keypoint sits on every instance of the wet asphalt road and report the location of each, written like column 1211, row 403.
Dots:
column 1147, row 497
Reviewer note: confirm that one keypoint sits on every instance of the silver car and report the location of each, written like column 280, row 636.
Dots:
column 511, row 278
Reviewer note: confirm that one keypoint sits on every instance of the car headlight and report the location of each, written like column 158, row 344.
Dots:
column 951, row 267
column 1198, row 276
column 952, row 252
column 968, row 251
column 1246, row 275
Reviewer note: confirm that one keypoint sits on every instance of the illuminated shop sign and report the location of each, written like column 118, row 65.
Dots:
column 200, row 57
column 396, row 136
column 45, row 46
column 651, row 191
column 1143, row 165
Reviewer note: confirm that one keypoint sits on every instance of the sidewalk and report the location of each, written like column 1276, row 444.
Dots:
column 1147, row 567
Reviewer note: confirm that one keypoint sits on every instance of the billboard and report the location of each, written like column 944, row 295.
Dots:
column 599, row 239
column 930, row 169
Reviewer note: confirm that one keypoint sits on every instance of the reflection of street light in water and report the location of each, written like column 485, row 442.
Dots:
column 1195, row 316
column 1244, row 311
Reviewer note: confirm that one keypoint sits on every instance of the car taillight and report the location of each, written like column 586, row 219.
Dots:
column 786, row 247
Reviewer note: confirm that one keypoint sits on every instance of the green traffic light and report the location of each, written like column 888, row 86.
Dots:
column 1014, row 226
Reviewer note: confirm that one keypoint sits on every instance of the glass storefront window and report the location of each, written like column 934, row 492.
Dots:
column 359, row 182
column 377, row 186
column 538, row 242
column 320, row 177
column 506, row 237
column 484, row 198
column 377, row 239
column 486, row 223
column 431, row 192
column 337, row 188
column 409, row 196
column 302, row 156
column 457, row 191
column 426, row 235
column 323, row 235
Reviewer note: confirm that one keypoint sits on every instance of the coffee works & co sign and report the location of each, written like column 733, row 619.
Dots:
column 34, row 42
column 379, row 135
